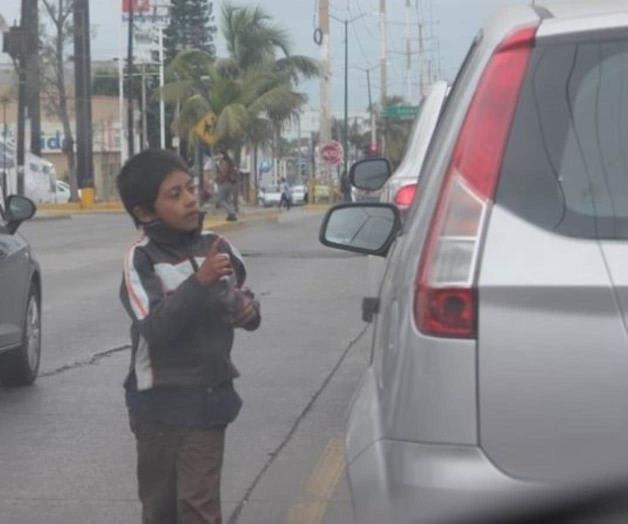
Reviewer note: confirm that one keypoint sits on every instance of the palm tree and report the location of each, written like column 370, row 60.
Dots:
column 238, row 102
column 253, row 39
column 254, row 43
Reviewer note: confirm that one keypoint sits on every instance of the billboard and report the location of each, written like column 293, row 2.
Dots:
column 148, row 17
column 139, row 6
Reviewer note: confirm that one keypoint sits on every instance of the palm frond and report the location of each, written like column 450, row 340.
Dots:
column 232, row 122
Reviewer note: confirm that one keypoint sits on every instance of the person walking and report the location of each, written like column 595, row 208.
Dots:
column 345, row 187
column 227, row 186
column 184, row 292
column 286, row 194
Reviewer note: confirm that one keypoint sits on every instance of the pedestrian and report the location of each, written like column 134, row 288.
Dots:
column 286, row 194
column 183, row 290
column 227, row 179
column 345, row 187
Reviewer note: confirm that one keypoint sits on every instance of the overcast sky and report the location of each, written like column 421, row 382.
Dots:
column 455, row 22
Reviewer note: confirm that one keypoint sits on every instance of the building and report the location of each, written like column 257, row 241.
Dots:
column 105, row 128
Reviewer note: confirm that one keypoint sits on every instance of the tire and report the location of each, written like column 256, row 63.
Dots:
column 19, row 367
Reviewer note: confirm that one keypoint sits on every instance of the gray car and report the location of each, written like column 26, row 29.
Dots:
column 20, row 298
column 500, row 352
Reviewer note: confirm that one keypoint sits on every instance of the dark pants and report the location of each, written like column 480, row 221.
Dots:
column 178, row 472
column 285, row 201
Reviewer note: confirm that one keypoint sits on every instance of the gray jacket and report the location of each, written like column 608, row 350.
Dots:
column 180, row 333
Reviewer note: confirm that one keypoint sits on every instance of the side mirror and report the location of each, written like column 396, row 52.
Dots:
column 370, row 174
column 18, row 209
column 367, row 228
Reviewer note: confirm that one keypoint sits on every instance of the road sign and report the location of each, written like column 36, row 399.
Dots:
column 139, row 6
column 205, row 129
column 400, row 112
column 332, row 153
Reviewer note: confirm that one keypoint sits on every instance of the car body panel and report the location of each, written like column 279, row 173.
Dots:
column 553, row 356
column 542, row 393
column 16, row 270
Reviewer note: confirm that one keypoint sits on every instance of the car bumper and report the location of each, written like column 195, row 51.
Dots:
column 403, row 482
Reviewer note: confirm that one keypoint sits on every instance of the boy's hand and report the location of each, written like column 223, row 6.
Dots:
column 250, row 310
column 215, row 266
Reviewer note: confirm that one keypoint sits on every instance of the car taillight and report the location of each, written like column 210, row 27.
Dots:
column 405, row 195
column 445, row 303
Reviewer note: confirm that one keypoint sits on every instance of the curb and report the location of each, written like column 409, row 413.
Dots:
column 46, row 218
column 213, row 224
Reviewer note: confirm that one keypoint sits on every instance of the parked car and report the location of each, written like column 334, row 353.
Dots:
column 62, row 192
column 299, row 194
column 401, row 187
column 500, row 350
column 20, row 298
column 269, row 196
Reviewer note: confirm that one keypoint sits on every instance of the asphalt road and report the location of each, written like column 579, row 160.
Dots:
column 66, row 454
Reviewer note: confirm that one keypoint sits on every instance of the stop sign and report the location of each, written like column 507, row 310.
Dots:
column 332, row 153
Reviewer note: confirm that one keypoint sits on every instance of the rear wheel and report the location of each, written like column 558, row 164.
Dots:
column 19, row 367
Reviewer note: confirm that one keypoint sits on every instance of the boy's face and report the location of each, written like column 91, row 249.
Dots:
column 176, row 204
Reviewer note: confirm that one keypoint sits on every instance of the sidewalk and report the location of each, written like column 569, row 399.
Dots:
column 215, row 219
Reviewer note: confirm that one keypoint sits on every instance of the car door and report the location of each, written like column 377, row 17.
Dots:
column 14, row 269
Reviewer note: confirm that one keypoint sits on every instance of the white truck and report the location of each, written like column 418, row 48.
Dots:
column 40, row 176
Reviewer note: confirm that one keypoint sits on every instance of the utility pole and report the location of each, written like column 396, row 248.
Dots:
column 409, row 52
column 325, row 95
column 162, row 106
column 345, row 144
column 371, row 110
column 144, row 143
column 31, row 26
column 382, row 64
column 130, row 123
column 4, row 101
column 82, row 73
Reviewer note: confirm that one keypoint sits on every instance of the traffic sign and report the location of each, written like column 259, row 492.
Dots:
column 332, row 153
column 400, row 112
column 205, row 129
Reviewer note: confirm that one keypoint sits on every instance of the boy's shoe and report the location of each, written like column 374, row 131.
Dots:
column 232, row 218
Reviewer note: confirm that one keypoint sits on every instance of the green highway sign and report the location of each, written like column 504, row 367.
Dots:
column 400, row 112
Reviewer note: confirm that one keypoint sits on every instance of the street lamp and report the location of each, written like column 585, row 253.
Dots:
column 345, row 144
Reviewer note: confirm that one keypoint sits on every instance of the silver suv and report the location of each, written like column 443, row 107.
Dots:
column 500, row 350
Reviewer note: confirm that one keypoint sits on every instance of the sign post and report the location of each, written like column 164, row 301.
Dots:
column 332, row 153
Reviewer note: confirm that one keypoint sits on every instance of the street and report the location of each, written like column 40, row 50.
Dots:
column 67, row 454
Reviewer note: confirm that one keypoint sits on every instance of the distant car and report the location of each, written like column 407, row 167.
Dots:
column 299, row 194
column 20, row 298
column 62, row 193
column 269, row 196
column 402, row 185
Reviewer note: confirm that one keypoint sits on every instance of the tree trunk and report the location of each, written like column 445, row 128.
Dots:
column 255, row 175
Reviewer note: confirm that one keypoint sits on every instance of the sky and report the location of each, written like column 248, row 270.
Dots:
column 454, row 23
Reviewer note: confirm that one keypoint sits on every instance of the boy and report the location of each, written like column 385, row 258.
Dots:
column 183, row 291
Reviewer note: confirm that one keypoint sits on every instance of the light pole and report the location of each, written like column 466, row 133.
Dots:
column 345, row 137
column 5, row 102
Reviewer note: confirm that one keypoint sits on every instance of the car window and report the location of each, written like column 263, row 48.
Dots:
column 566, row 164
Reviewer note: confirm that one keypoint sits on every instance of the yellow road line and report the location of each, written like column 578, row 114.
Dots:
column 320, row 486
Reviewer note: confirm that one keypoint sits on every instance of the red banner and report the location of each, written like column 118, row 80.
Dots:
column 139, row 6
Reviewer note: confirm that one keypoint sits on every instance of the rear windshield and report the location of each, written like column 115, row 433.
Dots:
column 566, row 164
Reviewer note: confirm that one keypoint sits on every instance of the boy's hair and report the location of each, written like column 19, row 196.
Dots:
column 141, row 176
